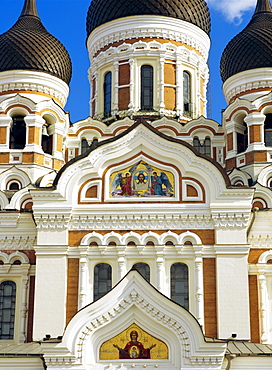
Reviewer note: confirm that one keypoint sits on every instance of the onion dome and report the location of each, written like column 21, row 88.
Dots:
column 251, row 48
column 193, row 11
column 29, row 46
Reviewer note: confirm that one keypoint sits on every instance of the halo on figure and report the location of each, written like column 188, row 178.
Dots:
column 134, row 328
column 141, row 173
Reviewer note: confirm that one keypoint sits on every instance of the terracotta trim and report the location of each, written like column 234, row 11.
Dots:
column 210, row 297
column 254, row 309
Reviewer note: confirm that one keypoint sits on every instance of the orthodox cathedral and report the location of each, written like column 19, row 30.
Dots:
column 140, row 237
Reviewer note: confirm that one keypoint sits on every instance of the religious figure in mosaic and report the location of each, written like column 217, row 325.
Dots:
column 133, row 348
column 142, row 180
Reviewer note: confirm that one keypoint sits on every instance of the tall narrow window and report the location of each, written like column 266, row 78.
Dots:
column 102, row 280
column 147, row 86
column 7, row 309
column 18, row 133
column 268, row 130
column 84, row 146
column 207, row 146
column 47, row 140
column 107, row 94
column 143, row 269
column 242, row 139
column 180, row 284
column 196, row 144
column 187, row 93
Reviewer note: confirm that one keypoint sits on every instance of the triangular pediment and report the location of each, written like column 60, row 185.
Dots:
column 134, row 303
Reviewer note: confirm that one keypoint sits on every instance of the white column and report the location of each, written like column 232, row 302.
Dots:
column 116, row 84
column 198, row 95
column 160, row 262
column 83, row 279
column 122, row 270
column 23, row 312
column 6, row 121
column 199, row 290
column 132, row 104
column 179, row 93
column 161, row 86
column 263, row 305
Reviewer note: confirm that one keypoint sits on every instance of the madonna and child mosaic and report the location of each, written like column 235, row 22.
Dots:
column 133, row 343
column 142, row 180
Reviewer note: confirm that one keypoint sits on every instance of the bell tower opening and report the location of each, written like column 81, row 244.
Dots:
column 17, row 133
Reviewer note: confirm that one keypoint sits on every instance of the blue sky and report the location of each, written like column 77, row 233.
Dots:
column 65, row 19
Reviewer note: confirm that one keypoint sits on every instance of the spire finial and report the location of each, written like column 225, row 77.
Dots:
column 263, row 6
column 30, row 8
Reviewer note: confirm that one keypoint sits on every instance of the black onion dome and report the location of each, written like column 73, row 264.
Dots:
column 252, row 47
column 193, row 11
column 29, row 46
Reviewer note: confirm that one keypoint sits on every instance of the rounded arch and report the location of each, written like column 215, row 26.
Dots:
column 188, row 236
column 14, row 174
column 112, row 237
column 169, row 236
column 3, row 200
column 92, row 237
column 150, row 237
column 265, row 257
column 131, row 237
column 18, row 256
column 4, row 257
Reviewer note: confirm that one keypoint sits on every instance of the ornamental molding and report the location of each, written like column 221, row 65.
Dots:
column 158, row 222
column 134, row 298
column 260, row 241
column 52, row 222
column 39, row 82
column 17, row 242
column 247, row 81
column 140, row 222
column 153, row 48
column 148, row 26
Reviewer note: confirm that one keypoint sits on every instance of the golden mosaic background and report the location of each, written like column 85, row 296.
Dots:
column 108, row 352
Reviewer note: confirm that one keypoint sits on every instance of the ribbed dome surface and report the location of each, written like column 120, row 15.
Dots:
column 29, row 46
column 251, row 48
column 193, row 11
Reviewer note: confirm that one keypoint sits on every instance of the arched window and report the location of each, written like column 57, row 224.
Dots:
column 180, row 284
column 102, row 280
column 147, row 86
column 7, row 309
column 242, row 139
column 187, row 93
column 14, row 186
column 268, row 129
column 17, row 133
column 143, row 269
column 84, row 146
column 196, row 144
column 107, row 94
column 47, row 140
column 205, row 148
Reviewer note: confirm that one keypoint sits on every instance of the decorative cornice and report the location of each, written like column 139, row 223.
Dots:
column 149, row 27
column 34, row 82
column 52, row 222
column 17, row 242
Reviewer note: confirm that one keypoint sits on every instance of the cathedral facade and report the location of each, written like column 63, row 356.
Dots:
column 141, row 236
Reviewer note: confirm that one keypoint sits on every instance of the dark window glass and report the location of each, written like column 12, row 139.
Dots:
column 102, row 280
column 107, row 94
column 147, row 86
column 14, row 186
column 7, row 309
column 242, row 140
column 47, row 141
column 187, row 93
column 180, row 284
column 205, row 148
column 143, row 269
column 268, row 129
column 18, row 133
column 196, row 144
column 84, row 145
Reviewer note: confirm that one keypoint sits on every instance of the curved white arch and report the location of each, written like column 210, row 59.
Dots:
column 265, row 257
column 191, row 237
column 18, row 256
column 169, row 236
column 92, row 237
